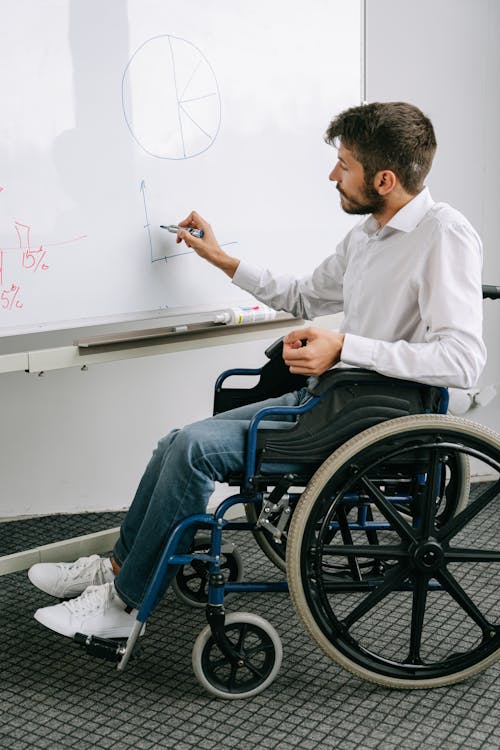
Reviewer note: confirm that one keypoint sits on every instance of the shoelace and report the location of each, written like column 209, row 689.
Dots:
column 93, row 599
column 94, row 564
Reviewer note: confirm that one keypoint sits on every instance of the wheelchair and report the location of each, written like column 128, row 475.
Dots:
column 366, row 503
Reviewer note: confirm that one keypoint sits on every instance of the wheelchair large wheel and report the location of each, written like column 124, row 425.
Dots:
column 417, row 607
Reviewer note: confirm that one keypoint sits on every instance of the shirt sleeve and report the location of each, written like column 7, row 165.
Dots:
column 321, row 293
column 451, row 306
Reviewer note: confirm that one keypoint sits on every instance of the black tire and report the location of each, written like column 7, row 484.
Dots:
column 419, row 608
column 261, row 653
column 190, row 584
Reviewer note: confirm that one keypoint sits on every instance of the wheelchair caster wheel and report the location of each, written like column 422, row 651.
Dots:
column 190, row 585
column 261, row 653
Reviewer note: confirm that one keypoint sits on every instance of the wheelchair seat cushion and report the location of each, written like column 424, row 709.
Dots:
column 351, row 401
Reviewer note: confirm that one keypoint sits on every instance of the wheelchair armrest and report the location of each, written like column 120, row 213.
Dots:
column 235, row 371
column 275, row 380
column 251, row 454
column 273, row 350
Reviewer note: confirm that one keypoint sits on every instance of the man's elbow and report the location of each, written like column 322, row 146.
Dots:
column 469, row 366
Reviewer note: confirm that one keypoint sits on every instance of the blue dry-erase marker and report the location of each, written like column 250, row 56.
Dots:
column 174, row 229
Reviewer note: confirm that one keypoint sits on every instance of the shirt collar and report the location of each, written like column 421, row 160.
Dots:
column 408, row 217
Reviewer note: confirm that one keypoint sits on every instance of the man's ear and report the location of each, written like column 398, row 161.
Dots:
column 385, row 181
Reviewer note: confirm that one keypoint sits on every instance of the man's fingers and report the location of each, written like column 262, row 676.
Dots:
column 294, row 355
column 190, row 239
column 195, row 220
column 297, row 357
column 192, row 220
column 298, row 335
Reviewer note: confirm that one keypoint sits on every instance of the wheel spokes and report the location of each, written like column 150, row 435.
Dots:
column 247, row 654
column 241, row 636
column 466, row 554
column 232, row 677
column 451, row 585
column 195, row 583
column 459, row 522
column 347, row 539
column 397, row 521
column 417, row 621
column 391, row 581
column 375, row 551
column 428, row 509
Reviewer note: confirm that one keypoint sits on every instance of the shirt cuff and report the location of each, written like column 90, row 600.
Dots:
column 247, row 276
column 358, row 351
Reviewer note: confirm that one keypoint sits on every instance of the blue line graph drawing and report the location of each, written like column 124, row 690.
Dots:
column 147, row 227
column 170, row 98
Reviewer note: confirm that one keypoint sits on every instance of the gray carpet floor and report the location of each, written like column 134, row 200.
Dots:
column 53, row 695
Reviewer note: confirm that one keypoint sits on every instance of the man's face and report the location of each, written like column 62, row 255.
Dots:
column 356, row 197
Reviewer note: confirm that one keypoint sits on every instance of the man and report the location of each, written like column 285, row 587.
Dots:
column 408, row 279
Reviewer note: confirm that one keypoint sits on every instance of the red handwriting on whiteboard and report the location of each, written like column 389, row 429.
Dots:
column 22, row 258
column 9, row 298
column 32, row 259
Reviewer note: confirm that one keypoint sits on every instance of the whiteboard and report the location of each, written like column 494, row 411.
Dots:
column 120, row 116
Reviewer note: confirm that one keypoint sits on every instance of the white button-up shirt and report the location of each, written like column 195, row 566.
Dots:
column 410, row 292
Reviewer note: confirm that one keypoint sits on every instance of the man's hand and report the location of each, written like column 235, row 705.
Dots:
column 321, row 350
column 207, row 246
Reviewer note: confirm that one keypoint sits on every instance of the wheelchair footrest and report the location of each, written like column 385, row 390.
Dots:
column 105, row 648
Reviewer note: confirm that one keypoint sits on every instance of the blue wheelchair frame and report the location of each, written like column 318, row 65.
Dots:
column 417, row 467
column 216, row 523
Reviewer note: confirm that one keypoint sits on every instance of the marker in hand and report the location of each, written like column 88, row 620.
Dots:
column 174, row 228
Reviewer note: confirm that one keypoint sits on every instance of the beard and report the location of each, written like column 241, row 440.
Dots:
column 370, row 203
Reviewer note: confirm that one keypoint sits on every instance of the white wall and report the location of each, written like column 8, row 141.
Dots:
column 75, row 441
column 444, row 56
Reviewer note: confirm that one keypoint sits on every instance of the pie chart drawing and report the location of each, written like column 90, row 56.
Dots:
column 171, row 99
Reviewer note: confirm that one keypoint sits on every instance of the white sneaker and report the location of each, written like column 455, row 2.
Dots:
column 98, row 611
column 66, row 580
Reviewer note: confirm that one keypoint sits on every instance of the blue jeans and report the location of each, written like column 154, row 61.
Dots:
column 178, row 483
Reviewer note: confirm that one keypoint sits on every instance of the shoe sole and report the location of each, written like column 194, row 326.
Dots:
column 62, row 596
column 110, row 633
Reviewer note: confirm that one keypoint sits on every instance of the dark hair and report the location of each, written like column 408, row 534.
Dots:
column 387, row 135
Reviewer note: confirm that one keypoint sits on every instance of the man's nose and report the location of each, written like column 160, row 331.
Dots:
column 334, row 174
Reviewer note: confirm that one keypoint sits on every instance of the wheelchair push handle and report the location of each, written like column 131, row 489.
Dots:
column 491, row 292
column 276, row 348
